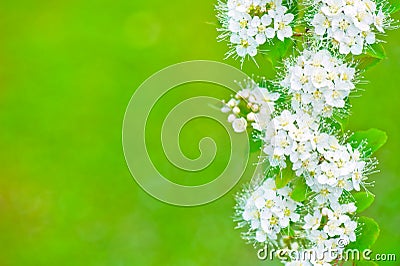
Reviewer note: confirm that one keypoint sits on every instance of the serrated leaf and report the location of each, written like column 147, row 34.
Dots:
column 375, row 139
column 363, row 200
column 367, row 235
column 284, row 177
column 372, row 56
column 299, row 190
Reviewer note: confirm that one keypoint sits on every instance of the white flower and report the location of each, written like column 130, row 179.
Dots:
column 334, row 244
column 329, row 174
column 335, row 97
column 298, row 263
column 256, row 106
column 357, row 175
column 261, row 236
column 349, row 24
column 281, row 23
column 332, row 7
column 251, row 23
column 369, row 37
column 370, row 5
column 262, row 119
column 245, row 45
column 263, row 96
column 287, row 213
column 312, row 221
column 319, row 77
column 244, row 93
column 236, row 110
column 295, row 126
column 361, row 17
column 300, row 151
column 300, row 78
column 252, row 215
column 332, row 228
column 239, row 125
column 351, row 44
column 338, row 212
column 232, row 103
column 319, row 82
column 306, row 166
column 268, row 210
column 239, row 25
column 270, row 224
column 268, row 200
column 318, row 237
column 300, row 133
column 261, row 31
column 342, row 27
column 322, row 257
column 349, row 230
column 321, row 24
column 326, row 193
column 379, row 20
column 282, row 143
column 251, row 116
column 231, row 118
column 284, row 121
column 349, row 208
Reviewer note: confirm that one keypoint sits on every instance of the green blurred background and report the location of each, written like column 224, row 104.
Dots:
column 67, row 72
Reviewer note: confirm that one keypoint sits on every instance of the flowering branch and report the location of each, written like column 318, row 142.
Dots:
column 309, row 195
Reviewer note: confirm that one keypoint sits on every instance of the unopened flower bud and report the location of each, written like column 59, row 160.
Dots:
column 236, row 110
column 251, row 116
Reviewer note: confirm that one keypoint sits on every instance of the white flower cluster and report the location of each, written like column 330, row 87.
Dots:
column 318, row 82
column 294, row 136
column 351, row 24
column 252, row 104
column 328, row 166
column 268, row 210
column 251, row 23
column 296, row 118
column 330, row 228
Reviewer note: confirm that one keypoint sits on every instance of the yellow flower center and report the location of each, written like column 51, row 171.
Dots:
column 244, row 43
column 269, row 204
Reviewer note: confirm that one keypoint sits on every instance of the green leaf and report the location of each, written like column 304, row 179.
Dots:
column 343, row 122
column 299, row 190
column 376, row 50
column 255, row 144
column 339, row 122
column 366, row 263
column 375, row 139
column 366, row 237
column 284, row 176
column 373, row 55
column 277, row 51
column 363, row 200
